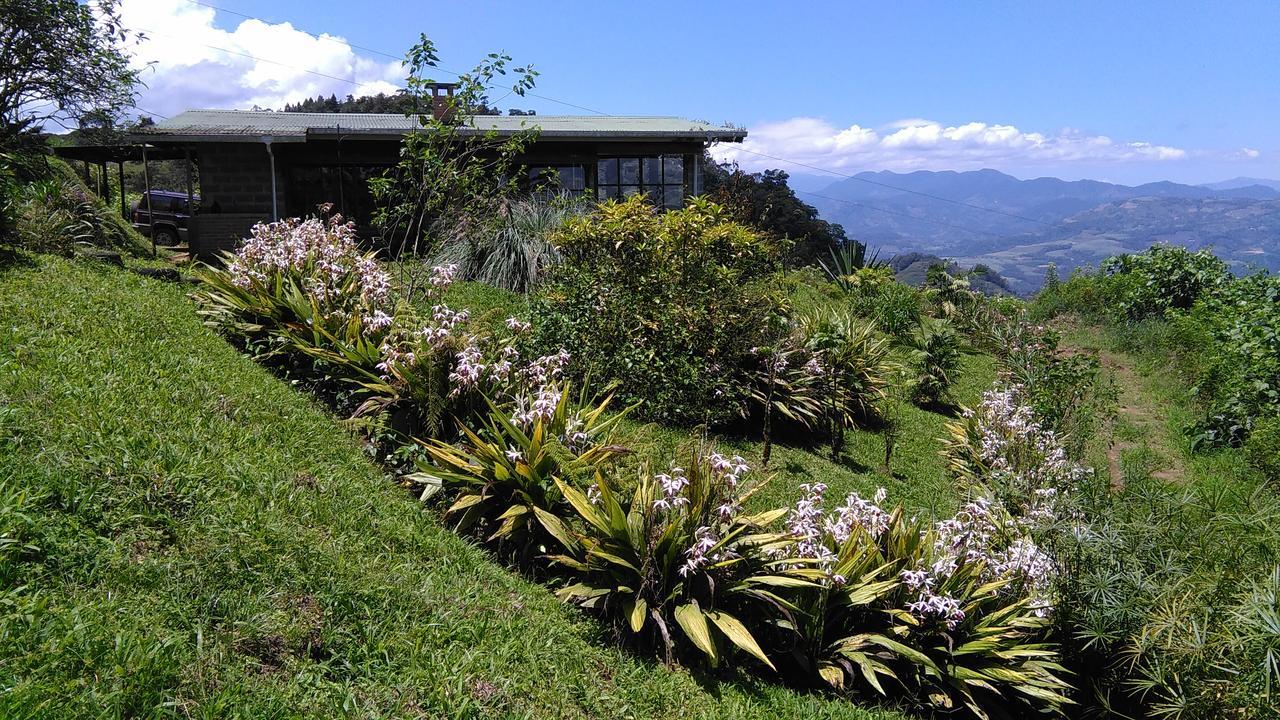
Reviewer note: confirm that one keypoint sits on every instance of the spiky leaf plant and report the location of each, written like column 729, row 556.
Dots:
column 506, row 475
column 846, row 259
column 675, row 563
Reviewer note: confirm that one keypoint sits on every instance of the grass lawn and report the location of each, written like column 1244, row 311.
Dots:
column 917, row 480
column 183, row 535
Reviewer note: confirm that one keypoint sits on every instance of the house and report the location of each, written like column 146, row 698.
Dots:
column 257, row 166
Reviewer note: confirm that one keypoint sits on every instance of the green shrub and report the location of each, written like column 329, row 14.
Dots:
column 1164, row 277
column 895, row 307
column 667, row 306
column 1263, row 448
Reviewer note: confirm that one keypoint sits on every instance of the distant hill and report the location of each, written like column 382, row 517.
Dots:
column 1018, row 226
column 913, row 269
column 1241, row 182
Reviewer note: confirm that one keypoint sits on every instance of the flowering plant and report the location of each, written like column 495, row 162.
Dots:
column 505, row 473
column 678, row 564
column 1001, row 447
column 308, row 275
column 948, row 613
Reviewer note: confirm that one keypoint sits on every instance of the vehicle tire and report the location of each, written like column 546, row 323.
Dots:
column 165, row 236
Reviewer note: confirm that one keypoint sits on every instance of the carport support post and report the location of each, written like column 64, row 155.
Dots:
column 191, row 195
column 124, row 211
column 146, row 197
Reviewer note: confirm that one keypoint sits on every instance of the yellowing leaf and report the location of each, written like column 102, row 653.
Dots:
column 695, row 626
column 739, row 635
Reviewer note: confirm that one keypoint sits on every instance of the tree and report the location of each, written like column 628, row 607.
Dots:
column 63, row 61
column 448, row 168
column 765, row 202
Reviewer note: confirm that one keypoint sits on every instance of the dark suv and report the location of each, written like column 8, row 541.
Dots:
column 165, row 214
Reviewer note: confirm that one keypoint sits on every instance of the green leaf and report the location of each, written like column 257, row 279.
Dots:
column 691, row 620
column 636, row 610
column 739, row 635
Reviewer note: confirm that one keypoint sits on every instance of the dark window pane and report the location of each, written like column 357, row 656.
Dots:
column 574, row 177
column 607, row 171
column 607, row 192
column 629, row 190
column 629, row 169
column 655, row 194
column 673, row 169
column 652, row 171
column 673, row 197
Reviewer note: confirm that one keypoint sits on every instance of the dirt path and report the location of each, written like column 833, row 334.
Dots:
column 1140, row 420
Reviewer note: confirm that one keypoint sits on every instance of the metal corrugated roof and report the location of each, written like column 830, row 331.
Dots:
column 229, row 124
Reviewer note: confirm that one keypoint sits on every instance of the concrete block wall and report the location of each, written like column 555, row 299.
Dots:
column 237, row 176
column 211, row 233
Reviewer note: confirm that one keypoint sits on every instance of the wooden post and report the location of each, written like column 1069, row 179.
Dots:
column 190, row 186
column 124, row 211
column 104, row 181
column 146, row 197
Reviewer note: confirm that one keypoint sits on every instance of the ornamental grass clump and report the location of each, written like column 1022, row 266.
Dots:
column 676, row 563
column 950, row 616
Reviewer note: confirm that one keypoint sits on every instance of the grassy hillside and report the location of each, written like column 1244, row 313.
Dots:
column 183, row 535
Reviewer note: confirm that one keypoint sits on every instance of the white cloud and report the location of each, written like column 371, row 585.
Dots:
column 918, row 144
column 186, row 69
column 1248, row 153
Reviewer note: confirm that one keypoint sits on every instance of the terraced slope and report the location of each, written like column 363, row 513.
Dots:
column 182, row 535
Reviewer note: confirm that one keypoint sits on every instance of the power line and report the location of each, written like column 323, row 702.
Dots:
column 329, row 38
column 605, row 114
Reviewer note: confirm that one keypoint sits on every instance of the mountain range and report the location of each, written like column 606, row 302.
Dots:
column 1018, row 227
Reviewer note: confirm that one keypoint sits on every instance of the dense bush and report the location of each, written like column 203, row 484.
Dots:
column 1162, row 278
column 667, row 306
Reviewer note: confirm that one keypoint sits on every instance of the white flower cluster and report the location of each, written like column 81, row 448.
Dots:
column 673, row 483
column 697, row 555
column 978, row 533
column 1022, row 455
column 818, row 533
column 326, row 257
column 728, row 471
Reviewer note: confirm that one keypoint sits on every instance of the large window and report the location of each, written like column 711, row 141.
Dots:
column 661, row 178
column 571, row 179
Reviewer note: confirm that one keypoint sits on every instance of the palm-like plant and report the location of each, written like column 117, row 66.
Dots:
column 846, row 259
column 935, row 347
column 856, row 367
column 676, row 564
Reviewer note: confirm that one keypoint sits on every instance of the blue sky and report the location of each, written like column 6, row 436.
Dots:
column 1122, row 91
